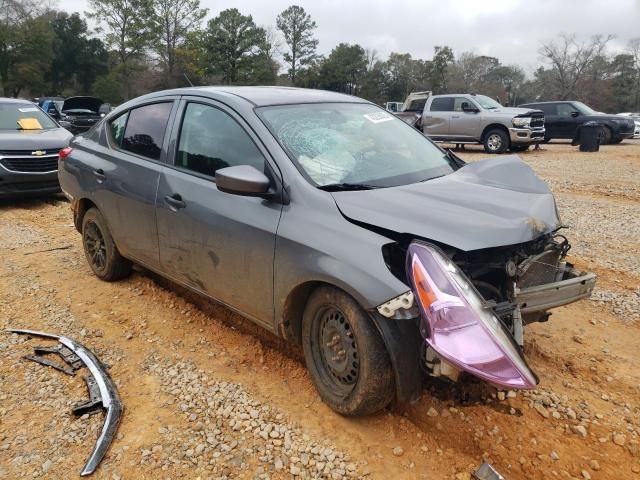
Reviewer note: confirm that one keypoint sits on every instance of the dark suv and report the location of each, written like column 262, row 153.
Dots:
column 563, row 118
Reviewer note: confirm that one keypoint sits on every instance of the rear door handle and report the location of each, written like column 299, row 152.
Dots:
column 175, row 201
column 99, row 174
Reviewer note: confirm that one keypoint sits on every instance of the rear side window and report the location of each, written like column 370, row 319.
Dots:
column 416, row 105
column 117, row 129
column 210, row 139
column 442, row 104
column 145, row 129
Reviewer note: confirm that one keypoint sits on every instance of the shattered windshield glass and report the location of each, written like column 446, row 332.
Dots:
column 352, row 144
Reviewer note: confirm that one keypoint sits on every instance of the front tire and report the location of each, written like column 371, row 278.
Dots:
column 605, row 135
column 100, row 249
column 496, row 141
column 345, row 354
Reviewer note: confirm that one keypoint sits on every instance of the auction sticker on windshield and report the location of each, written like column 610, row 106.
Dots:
column 378, row 117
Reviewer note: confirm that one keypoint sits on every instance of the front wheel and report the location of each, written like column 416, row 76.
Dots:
column 100, row 249
column 605, row 135
column 345, row 354
column 496, row 141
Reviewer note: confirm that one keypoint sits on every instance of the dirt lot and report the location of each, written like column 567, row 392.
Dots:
column 209, row 396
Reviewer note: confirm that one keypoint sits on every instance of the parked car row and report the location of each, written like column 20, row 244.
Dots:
column 471, row 118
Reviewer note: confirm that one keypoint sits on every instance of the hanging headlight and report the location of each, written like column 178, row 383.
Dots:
column 458, row 325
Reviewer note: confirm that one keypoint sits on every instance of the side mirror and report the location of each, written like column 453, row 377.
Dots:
column 242, row 180
column 468, row 108
column 575, row 114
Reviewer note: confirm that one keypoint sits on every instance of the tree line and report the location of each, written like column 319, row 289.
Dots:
column 139, row 46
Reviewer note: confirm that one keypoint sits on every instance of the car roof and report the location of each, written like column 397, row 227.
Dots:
column 263, row 96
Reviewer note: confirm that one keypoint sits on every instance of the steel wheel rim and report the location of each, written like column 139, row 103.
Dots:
column 95, row 246
column 494, row 142
column 337, row 355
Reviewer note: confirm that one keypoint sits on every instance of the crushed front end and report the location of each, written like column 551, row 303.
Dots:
column 472, row 306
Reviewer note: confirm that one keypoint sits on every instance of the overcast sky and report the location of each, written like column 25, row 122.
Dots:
column 508, row 29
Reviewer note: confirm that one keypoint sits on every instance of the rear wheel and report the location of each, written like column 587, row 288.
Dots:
column 345, row 354
column 99, row 248
column 496, row 141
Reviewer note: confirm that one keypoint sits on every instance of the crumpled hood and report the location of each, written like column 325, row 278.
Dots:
column 34, row 139
column 484, row 204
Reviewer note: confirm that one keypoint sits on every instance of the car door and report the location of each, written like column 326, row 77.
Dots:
column 435, row 121
column 464, row 125
column 217, row 243
column 125, row 175
column 567, row 120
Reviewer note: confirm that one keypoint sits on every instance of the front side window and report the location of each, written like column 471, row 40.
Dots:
column 442, row 104
column 459, row 103
column 145, row 129
column 210, row 139
column 117, row 129
column 336, row 144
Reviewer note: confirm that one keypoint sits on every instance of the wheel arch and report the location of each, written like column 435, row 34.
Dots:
column 493, row 126
column 81, row 207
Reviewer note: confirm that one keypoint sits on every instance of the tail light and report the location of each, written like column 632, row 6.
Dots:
column 64, row 153
column 457, row 323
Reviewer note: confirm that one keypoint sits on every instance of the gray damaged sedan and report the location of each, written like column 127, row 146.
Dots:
column 332, row 224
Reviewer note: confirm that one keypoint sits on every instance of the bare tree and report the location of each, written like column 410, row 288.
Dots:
column 171, row 21
column 372, row 57
column 633, row 48
column 271, row 48
column 571, row 60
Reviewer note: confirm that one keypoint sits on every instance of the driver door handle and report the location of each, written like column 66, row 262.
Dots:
column 99, row 174
column 175, row 201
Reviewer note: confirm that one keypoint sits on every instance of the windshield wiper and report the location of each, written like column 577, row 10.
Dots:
column 339, row 187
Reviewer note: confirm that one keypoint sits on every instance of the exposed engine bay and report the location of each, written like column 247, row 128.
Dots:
column 517, row 284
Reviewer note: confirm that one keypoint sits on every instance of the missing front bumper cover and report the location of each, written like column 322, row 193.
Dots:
column 103, row 394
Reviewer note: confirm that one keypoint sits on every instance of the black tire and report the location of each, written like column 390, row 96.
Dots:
column 519, row 148
column 100, row 250
column 605, row 135
column 345, row 354
column 616, row 140
column 496, row 141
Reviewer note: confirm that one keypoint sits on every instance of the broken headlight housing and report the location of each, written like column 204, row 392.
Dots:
column 459, row 325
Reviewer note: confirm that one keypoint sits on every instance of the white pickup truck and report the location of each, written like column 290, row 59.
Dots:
column 471, row 118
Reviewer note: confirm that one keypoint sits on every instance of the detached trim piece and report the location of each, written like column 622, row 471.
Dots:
column 109, row 399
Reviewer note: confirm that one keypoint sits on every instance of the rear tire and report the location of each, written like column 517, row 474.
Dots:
column 345, row 354
column 496, row 141
column 100, row 249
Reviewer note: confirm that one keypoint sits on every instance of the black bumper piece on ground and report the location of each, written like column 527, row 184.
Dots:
column 102, row 391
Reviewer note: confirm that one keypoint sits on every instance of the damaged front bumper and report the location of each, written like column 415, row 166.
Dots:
column 573, row 285
column 102, row 391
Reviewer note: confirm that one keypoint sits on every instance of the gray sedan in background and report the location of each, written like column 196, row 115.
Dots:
column 331, row 223
column 29, row 144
